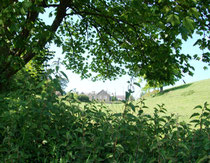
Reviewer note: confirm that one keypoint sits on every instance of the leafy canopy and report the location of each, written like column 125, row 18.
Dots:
column 109, row 38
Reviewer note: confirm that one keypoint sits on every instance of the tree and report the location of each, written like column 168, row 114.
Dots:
column 154, row 84
column 109, row 38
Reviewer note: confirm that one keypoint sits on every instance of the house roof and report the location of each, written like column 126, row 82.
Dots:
column 102, row 92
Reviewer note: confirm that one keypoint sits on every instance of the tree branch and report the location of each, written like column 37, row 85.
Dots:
column 31, row 17
column 61, row 13
column 96, row 13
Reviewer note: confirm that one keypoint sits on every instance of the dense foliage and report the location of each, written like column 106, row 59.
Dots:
column 109, row 38
column 83, row 98
column 37, row 126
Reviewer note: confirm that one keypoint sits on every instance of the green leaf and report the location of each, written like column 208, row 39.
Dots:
column 27, row 4
column 188, row 23
column 195, row 121
column 117, row 114
column 79, row 130
column 137, row 84
column 46, row 127
column 146, row 107
column 205, row 68
column 194, row 115
column 56, row 69
column 198, row 107
column 162, row 111
column 40, row 84
column 205, row 114
column 127, row 95
column 120, row 148
column 109, row 155
column 132, row 106
column 147, row 115
column 1, row 22
column 194, row 12
column 204, row 159
column 184, row 33
column 163, row 120
column 22, row 11
column 181, row 154
column 184, row 146
column 166, row 9
column 65, row 75
column 140, row 112
column 173, row 19
column 207, row 109
column 205, row 104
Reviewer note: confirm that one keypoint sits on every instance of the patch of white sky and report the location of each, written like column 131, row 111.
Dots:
column 120, row 85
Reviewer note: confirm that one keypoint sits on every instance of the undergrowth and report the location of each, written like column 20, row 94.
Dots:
column 41, row 127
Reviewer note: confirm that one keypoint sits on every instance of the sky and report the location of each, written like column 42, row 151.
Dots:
column 119, row 86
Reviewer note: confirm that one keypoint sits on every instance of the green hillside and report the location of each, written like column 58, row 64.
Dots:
column 182, row 99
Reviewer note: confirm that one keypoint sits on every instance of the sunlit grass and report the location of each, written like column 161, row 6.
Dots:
column 178, row 100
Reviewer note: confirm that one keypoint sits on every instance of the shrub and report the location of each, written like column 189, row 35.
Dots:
column 43, row 128
column 113, row 98
column 83, row 98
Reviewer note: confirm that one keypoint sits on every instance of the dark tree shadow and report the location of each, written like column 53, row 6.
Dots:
column 174, row 89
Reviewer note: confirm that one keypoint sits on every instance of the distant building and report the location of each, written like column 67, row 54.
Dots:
column 100, row 96
column 103, row 96
column 92, row 95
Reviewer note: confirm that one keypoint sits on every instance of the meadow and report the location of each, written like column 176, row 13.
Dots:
column 178, row 100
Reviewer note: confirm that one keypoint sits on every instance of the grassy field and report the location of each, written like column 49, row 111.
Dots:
column 179, row 100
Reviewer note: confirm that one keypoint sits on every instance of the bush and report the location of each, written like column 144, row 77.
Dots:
column 113, row 98
column 43, row 128
column 83, row 98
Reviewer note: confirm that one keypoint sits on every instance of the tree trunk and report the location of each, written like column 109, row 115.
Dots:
column 161, row 89
column 8, row 70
